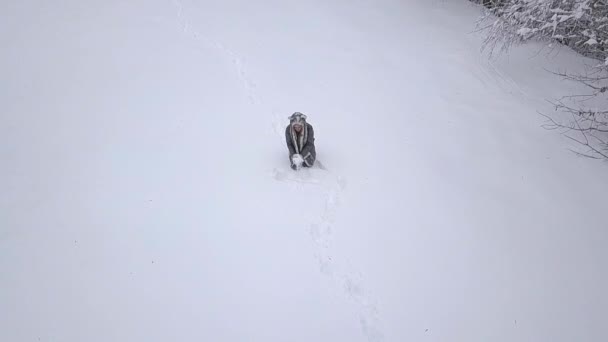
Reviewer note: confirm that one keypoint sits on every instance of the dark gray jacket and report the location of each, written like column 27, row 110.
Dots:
column 303, row 143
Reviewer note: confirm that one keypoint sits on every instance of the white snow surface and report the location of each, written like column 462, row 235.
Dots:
column 146, row 195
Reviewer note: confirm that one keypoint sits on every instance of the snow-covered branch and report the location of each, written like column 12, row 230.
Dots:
column 580, row 24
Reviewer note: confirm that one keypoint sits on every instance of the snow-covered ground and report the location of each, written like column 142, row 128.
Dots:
column 145, row 193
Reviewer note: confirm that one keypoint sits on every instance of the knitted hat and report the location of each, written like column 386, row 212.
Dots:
column 297, row 118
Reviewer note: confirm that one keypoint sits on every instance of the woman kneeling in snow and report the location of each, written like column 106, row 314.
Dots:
column 300, row 141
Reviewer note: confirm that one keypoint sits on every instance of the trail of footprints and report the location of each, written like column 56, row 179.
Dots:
column 321, row 233
column 237, row 61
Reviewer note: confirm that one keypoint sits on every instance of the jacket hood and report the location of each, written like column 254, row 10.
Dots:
column 299, row 140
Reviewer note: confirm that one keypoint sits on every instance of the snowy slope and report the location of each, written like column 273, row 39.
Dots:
column 145, row 192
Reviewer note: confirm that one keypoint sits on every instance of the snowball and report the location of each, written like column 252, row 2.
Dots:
column 297, row 160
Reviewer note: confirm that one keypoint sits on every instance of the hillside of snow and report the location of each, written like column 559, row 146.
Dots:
column 146, row 195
